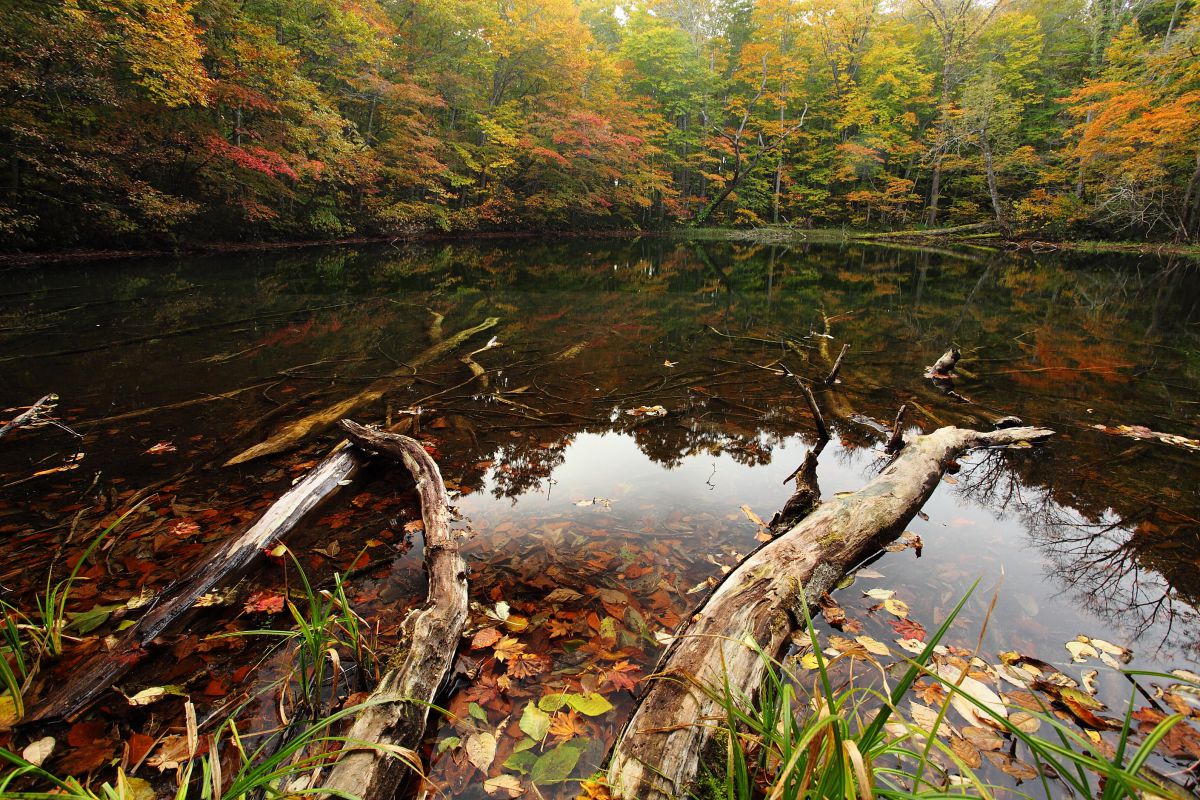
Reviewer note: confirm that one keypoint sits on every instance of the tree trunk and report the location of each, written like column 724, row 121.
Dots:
column 934, row 190
column 429, row 635
column 291, row 435
column 990, row 167
column 658, row 752
column 100, row 672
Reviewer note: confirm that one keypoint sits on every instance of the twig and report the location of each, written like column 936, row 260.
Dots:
column 837, row 365
column 896, row 440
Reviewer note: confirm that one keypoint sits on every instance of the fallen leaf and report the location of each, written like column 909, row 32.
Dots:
column 155, row 693
column 485, row 638
column 504, row 785
column 481, row 750
column 1080, row 651
column 37, row 752
column 975, row 690
column 535, row 723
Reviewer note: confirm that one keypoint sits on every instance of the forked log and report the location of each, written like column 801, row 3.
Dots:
column 658, row 753
column 294, row 433
column 430, row 635
column 31, row 415
column 103, row 669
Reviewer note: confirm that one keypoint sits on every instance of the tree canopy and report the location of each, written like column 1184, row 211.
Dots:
column 161, row 121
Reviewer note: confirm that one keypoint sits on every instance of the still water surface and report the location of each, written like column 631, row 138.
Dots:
column 561, row 487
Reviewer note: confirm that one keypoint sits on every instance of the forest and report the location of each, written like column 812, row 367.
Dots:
column 166, row 122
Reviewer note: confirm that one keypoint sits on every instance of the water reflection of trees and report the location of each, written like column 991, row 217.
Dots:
column 1107, row 564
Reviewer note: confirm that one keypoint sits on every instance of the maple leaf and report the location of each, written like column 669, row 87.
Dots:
column 557, row 628
column 507, row 647
column 522, row 665
column 265, row 601
column 908, row 629
column 486, row 689
column 620, row 675
column 567, row 725
column 931, row 693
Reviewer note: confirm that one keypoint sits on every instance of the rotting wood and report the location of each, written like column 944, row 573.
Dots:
column 478, row 371
column 658, row 752
column 837, row 366
column 806, row 496
column 896, row 440
column 100, row 672
column 401, row 703
column 294, row 433
column 30, row 416
column 944, row 366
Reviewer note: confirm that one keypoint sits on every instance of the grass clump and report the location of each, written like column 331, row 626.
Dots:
column 848, row 741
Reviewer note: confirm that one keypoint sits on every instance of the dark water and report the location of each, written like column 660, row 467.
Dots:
column 1094, row 534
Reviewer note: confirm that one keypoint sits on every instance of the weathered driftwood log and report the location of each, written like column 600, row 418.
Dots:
column 295, row 432
column 102, row 670
column 430, row 635
column 944, row 366
column 30, row 415
column 658, row 752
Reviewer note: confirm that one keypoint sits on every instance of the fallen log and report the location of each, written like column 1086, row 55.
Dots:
column 292, row 434
column 659, row 751
column 430, row 634
column 100, row 672
column 30, row 416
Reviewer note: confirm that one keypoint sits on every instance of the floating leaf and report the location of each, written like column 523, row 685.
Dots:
column 897, row 607
column 481, row 750
column 535, row 722
column 504, row 786
column 556, row 765
column 563, row 595
column 976, row 691
column 485, row 638
column 1081, row 650
column 873, row 646
column 879, row 594
column 593, row 705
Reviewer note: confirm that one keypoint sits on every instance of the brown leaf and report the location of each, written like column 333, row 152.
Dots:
column 967, row 752
column 1182, row 741
column 485, row 638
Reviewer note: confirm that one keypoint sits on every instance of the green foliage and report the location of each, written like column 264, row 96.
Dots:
column 153, row 121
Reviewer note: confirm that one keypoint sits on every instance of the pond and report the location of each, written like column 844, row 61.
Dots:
column 598, row 528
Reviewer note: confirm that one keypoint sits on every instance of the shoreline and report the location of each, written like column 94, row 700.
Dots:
column 766, row 235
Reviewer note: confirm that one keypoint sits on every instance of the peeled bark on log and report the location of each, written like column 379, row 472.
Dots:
column 100, row 672
column 657, row 754
column 292, row 434
column 30, row 415
column 430, row 635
